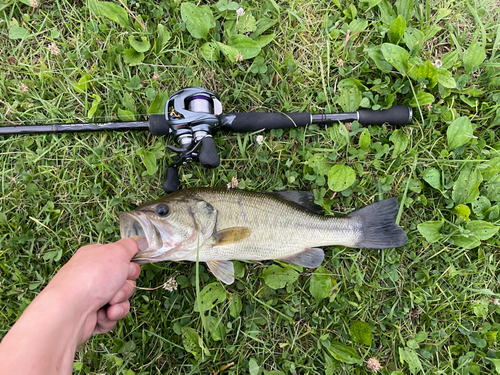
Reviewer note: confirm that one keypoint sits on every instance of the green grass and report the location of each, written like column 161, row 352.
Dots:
column 431, row 306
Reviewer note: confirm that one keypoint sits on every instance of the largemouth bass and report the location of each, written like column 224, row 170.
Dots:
column 219, row 225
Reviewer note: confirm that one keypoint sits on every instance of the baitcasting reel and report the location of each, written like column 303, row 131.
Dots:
column 193, row 115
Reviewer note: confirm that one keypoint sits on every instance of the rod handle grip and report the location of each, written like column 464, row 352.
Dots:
column 158, row 125
column 254, row 121
column 396, row 115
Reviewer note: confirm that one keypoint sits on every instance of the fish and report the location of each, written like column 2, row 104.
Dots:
column 218, row 225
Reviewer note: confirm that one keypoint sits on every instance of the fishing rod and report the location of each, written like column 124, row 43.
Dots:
column 194, row 114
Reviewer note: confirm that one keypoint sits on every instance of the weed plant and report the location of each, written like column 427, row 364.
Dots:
column 432, row 306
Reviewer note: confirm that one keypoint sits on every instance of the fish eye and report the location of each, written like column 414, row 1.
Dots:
column 162, row 210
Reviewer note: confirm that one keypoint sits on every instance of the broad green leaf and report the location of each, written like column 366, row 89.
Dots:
column 463, row 211
column 191, row 342
column 16, row 32
column 492, row 168
column 216, row 328
column 426, row 71
column 422, row 98
column 125, row 115
column 473, row 57
column 264, row 40
column 396, row 56
column 341, row 177
column 446, row 79
column 246, row 23
column 114, row 12
column 134, row 83
column 387, row 13
column 139, row 46
column 350, row 99
column 210, row 51
column 358, row 25
column 431, row 230
column 421, row 336
column 95, row 104
column 228, row 51
column 483, row 230
column 466, row 188
column 211, row 295
column 365, row 139
column 449, row 59
column 400, row 140
column 263, row 24
column 496, row 363
column 247, row 47
column 253, row 367
column 158, row 104
column 411, row 358
column 149, row 160
column 433, row 177
column 406, row 8
column 235, row 306
column 343, row 353
column 414, row 39
column 321, row 284
column 320, row 164
column 163, row 36
column 375, row 53
column 459, row 132
column 467, row 242
column 397, row 29
column 199, row 19
column 132, row 57
column 361, row 333
column 83, row 84
column 277, row 277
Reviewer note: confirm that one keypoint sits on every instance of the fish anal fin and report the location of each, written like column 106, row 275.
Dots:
column 223, row 270
column 231, row 235
column 309, row 258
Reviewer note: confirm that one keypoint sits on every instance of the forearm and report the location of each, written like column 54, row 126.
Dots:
column 44, row 339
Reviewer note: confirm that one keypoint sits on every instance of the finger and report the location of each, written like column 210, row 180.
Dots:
column 118, row 311
column 124, row 293
column 133, row 271
column 129, row 246
column 103, row 324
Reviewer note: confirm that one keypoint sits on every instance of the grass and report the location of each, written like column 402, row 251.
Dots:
column 430, row 307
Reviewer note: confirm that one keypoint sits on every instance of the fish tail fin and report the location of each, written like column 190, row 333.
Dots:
column 378, row 225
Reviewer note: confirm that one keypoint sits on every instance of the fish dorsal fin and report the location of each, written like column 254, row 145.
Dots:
column 223, row 270
column 309, row 258
column 302, row 199
column 231, row 235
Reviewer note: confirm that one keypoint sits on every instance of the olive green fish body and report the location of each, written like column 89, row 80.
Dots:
column 218, row 225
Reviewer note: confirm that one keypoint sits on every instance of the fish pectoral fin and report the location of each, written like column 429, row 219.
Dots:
column 309, row 258
column 231, row 235
column 223, row 270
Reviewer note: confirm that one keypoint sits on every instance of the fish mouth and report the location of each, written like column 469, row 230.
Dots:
column 144, row 231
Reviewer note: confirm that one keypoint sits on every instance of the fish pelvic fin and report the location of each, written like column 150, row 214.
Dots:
column 223, row 270
column 309, row 258
column 231, row 235
column 378, row 225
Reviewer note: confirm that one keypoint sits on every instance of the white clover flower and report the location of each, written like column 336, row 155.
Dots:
column 373, row 365
column 233, row 184
column 34, row 3
column 259, row 139
column 54, row 49
column 240, row 12
column 438, row 63
column 170, row 285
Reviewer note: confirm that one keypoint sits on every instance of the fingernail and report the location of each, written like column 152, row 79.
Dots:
column 119, row 313
column 119, row 297
column 131, row 269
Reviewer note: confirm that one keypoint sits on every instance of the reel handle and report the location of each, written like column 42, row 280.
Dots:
column 171, row 182
column 208, row 156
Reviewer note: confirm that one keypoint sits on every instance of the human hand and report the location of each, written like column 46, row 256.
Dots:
column 101, row 279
